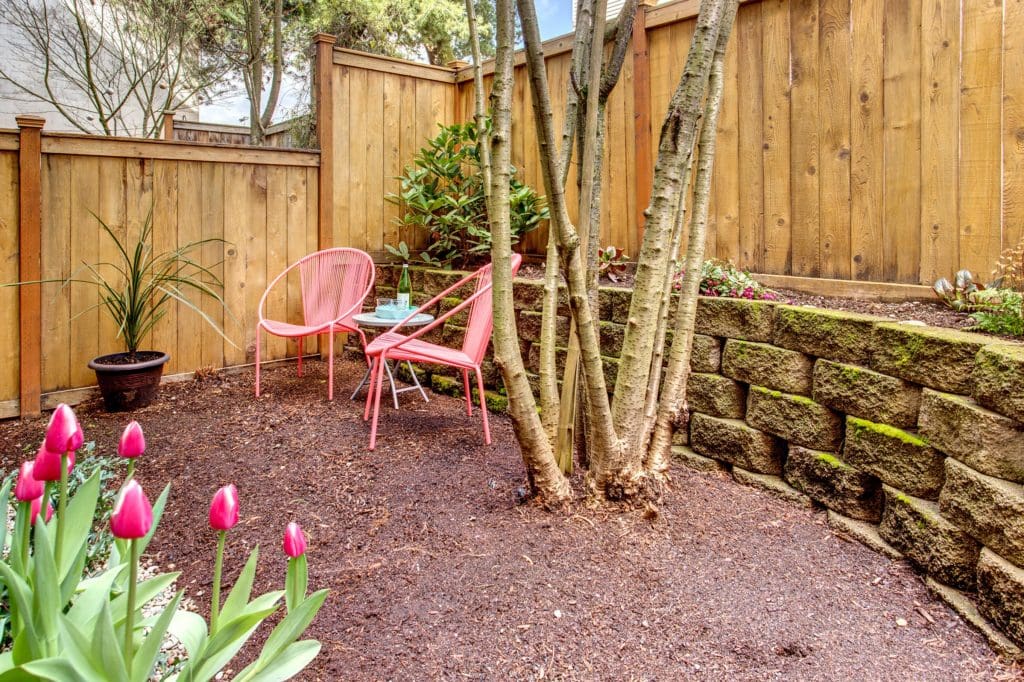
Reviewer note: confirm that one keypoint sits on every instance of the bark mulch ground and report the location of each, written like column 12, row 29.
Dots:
column 436, row 573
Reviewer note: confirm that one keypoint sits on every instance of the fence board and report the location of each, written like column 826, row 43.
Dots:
column 9, row 321
column 749, row 38
column 777, row 196
column 1013, row 124
column 834, row 137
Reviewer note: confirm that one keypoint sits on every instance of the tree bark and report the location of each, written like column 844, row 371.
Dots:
column 538, row 457
column 673, row 392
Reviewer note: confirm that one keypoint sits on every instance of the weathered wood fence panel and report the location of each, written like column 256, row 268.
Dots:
column 256, row 206
column 870, row 140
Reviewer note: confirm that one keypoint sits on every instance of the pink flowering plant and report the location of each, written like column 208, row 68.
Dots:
column 68, row 623
column 720, row 278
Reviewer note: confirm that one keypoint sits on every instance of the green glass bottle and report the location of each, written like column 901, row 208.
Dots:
column 404, row 288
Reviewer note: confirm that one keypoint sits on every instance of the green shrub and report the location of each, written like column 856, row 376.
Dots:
column 999, row 311
column 443, row 194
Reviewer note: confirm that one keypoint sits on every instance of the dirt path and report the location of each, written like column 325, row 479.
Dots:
column 436, row 573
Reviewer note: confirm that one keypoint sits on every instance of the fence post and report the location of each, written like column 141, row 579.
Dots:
column 324, row 103
column 644, row 161
column 168, row 129
column 30, row 296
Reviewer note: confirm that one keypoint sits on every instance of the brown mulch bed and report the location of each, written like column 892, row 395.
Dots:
column 436, row 573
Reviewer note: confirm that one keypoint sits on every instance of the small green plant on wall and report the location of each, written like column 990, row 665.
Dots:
column 442, row 194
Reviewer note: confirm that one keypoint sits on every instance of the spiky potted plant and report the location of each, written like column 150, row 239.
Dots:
column 135, row 291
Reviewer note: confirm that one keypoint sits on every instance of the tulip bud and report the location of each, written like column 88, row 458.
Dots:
column 33, row 510
column 294, row 540
column 224, row 508
column 47, row 464
column 61, row 432
column 133, row 443
column 77, row 439
column 27, row 487
column 132, row 516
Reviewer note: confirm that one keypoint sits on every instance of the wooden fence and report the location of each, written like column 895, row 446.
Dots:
column 279, row 135
column 260, row 202
column 869, row 140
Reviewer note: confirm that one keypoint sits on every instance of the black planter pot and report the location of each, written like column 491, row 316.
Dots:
column 128, row 382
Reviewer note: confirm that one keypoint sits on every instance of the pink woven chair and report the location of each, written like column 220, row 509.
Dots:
column 334, row 284
column 394, row 346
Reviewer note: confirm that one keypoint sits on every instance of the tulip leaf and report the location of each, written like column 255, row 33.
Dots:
column 80, row 514
column 21, row 521
column 158, row 512
column 69, row 585
column 241, row 590
column 20, row 595
column 289, row 629
column 295, row 582
column 108, row 645
column 5, row 495
column 190, row 629
column 78, row 648
column 145, row 591
column 58, row 669
column 286, row 666
column 146, row 655
column 223, row 646
column 46, row 601
column 96, row 593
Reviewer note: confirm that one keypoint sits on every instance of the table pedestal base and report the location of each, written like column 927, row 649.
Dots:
column 416, row 386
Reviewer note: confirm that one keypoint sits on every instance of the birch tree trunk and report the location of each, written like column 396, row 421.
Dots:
column 544, row 474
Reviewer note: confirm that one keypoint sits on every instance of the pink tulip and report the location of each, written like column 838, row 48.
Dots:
column 77, row 439
column 33, row 510
column 47, row 464
column 224, row 508
column 60, row 434
column 133, row 443
column 132, row 516
column 27, row 487
column 294, row 540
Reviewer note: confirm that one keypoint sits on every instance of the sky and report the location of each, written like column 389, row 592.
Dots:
column 554, row 16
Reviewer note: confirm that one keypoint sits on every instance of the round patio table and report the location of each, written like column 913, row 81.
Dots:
column 371, row 320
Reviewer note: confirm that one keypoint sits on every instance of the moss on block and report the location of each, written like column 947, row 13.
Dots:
column 613, row 304
column 833, row 334
column 528, row 294
column 999, row 379
column 864, row 533
column 435, row 281
column 767, row 365
column 690, row 459
column 1001, row 594
column 716, row 395
column 990, row 509
column 968, row 610
column 732, row 441
column 936, row 546
column 611, row 337
column 866, row 394
column 446, row 385
column 938, row 358
column 530, row 327
column 900, row 458
column 450, row 302
column 795, row 418
column 986, row 441
column 773, row 485
column 735, row 318
column 706, row 354
column 827, row 479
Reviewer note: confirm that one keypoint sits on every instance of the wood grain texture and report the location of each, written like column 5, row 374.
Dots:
column 750, row 100
column 834, row 59
column 10, row 333
column 804, row 141
column 778, row 225
column 867, row 146
column 1013, row 123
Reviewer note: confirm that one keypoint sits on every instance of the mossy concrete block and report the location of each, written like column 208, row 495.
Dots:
column 900, row 458
column 530, row 327
column 733, row 441
column 938, row 358
column 735, row 318
column 999, row 379
column 866, row 394
column 706, row 354
column 690, row 459
column 938, row 547
column 446, row 385
column 767, row 365
column 795, row 418
column 716, row 395
column 990, row 509
column 681, row 436
column 968, row 610
column 982, row 439
column 450, row 303
column 435, row 281
column 613, row 304
column 1001, row 594
column 528, row 294
column 864, row 533
column 829, row 480
column 773, row 485
column 611, row 337
column 833, row 334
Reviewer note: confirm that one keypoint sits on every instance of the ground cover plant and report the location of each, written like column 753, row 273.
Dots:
column 997, row 308
column 71, row 619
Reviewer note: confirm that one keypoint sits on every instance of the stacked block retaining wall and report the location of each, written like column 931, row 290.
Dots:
column 911, row 434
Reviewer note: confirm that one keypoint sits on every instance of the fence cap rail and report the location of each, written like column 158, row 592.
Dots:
column 173, row 150
column 399, row 67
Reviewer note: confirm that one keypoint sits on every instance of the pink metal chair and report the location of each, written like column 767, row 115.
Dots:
column 394, row 346
column 334, row 284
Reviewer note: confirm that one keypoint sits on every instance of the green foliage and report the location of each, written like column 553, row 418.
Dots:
column 611, row 262
column 443, row 194
column 999, row 311
column 958, row 295
column 720, row 278
column 1009, row 270
column 401, row 251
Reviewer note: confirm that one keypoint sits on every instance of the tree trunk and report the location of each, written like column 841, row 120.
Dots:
column 536, row 449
